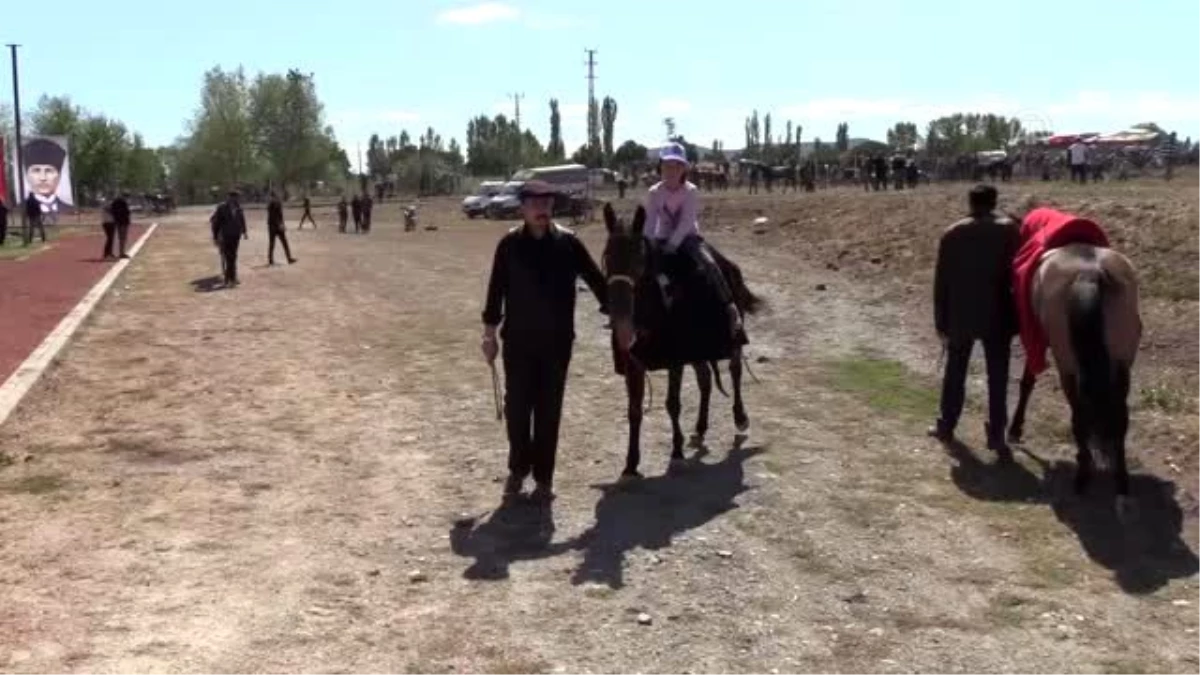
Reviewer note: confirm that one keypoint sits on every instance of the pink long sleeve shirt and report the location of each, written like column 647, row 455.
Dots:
column 673, row 214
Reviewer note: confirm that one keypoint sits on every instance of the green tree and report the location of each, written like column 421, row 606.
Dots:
column 843, row 137
column 555, row 151
column 287, row 126
column 629, row 155
column 608, row 120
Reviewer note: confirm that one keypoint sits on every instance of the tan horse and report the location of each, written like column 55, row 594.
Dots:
column 1086, row 300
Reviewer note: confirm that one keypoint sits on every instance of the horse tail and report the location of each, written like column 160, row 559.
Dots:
column 1086, row 326
column 747, row 302
column 716, row 371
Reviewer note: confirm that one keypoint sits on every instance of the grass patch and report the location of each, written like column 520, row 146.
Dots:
column 886, row 385
column 14, row 249
column 1164, row 398
column 39, row 484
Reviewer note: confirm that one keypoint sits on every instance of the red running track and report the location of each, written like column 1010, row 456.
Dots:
column 35, row 294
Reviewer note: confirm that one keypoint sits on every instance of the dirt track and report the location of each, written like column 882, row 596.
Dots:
column 250, row 480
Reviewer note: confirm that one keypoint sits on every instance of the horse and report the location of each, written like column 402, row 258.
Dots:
column 638, row 313
column 1085, row 298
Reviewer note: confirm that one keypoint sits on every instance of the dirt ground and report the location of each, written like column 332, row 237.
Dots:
column 302, row 474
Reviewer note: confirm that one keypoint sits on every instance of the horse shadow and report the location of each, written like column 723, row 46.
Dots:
column 1145, row 552
column 208, row 284
column 517, row 530
column 649, row 513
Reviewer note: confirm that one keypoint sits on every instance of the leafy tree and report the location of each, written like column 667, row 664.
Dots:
column 287, row 126
column 608, row 120
column 843, row 137
column 555, row 151
column 631, row 154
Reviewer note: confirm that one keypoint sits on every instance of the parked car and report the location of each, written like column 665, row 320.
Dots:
column 476, row 204
column 506, row 203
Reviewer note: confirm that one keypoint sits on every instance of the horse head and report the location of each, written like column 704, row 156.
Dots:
column 626, row 262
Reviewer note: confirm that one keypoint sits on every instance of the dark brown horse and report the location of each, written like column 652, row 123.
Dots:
column 1086, row 301
column 639, row 318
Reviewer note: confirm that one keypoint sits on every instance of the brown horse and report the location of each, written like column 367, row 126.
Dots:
column 638, row 315
column 1086, row 301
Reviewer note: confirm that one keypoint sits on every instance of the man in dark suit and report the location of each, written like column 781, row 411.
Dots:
column 44, row 160
column 228, row 229
column 33, row 216
column 275, row 230
column 121, row 217
column 532, row 291
column 973, row 300
column 307, row 215
column 356, row 210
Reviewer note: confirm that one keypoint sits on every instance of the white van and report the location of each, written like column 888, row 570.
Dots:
column 568, row 178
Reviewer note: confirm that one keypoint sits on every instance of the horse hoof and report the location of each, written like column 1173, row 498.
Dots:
column 628, row 477
column 742, row 425
column 696, row 441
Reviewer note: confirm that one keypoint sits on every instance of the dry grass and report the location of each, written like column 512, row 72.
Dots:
column 250, row 490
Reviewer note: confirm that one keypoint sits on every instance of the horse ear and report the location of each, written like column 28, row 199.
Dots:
column 639, row 219
column 610, row 217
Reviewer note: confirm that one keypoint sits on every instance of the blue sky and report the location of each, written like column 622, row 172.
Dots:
column 388, row 65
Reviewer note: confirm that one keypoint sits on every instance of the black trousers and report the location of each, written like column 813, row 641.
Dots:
column 3, row 227
column 341, row 222
column 535, row 380
column 122, row 237
column 274, row 233
column 229, row 253
column 996, row 351
column 110, row 231
column 36, row 223
column 307, row 216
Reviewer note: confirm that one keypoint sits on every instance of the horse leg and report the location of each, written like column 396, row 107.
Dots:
column 674, row 408
column 1017, row 428
column 635, row 388
column 1120, row 428
column 1080, row 430
column 740, row 419
column 704, row 381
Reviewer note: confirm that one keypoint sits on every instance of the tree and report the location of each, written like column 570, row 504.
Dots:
column 766, row 142
column 555, row 151
column 222, row 132
column 608, row 119
column 497, row 147
column 286, row 122
column 903, row 136
column 843, row 137
column 631, row 154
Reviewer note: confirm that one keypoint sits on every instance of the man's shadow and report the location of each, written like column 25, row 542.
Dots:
column 1004, row 480
column 208, row 284
column 649, row 513
column 1144, row 552
column 517, row 530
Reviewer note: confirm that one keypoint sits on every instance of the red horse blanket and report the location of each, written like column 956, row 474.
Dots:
column 1042, row 230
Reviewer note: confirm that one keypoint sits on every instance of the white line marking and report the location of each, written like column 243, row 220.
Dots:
column 27, row 374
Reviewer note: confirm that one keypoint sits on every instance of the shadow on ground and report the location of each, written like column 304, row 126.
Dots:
column 1144, row 553
column 517, row 530
column 208, row 284
column 649, row 513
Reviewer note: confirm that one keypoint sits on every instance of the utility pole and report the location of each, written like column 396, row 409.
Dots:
column 520, row 132
column 19, row 153
column 592, row 118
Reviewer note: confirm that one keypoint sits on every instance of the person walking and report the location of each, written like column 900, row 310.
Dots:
column 275, row 230
column 342, row 213
column 531, row 301
column 228, row 229
column 973, row 301
column 34, row 218
column 307, row 215
column 109, row 225
column 122, row 217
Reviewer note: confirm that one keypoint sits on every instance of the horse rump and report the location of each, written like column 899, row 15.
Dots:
column 747, row 302
column 1102, row 384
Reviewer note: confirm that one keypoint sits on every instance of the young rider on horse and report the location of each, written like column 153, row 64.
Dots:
column 673, row 209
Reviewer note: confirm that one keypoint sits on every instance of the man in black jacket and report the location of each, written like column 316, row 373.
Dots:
column 275, row 230
column 34, row 218
column 356, row 211
column 973, row 300
column 122, row 218
column 532, row 288
column 228, row 229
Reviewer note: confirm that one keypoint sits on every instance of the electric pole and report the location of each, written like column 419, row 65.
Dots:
column 593, row 121
column 520, row 132
column 19, row 153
